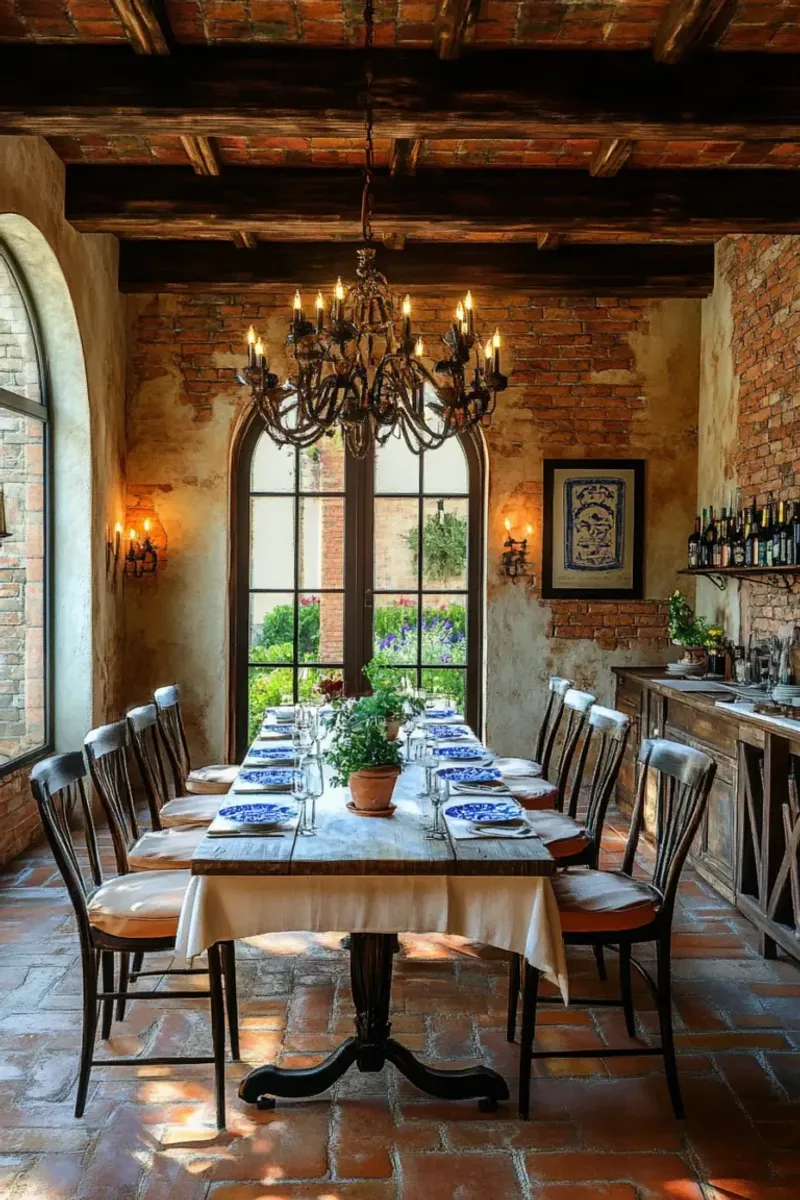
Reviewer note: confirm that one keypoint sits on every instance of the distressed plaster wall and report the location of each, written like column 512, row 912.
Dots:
column 590, row 378
column 73, row 282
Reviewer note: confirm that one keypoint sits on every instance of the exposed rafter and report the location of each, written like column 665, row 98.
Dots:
column 145, row 26
column 244, row 241
column 575, row 270
column 454, row 26
column 202, row 153
column 497, row 205
column 403, row 156
column 690, row 25
column 218, row 90
column 549, row 241
column 610, row 156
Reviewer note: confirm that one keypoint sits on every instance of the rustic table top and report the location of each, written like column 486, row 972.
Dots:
column 348, row 844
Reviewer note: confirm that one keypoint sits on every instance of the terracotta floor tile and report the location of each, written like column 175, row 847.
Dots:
column 454, row 1177
column 663, row 1175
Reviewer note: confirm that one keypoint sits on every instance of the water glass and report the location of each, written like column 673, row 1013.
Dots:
column 315, row 786
column 439, row 796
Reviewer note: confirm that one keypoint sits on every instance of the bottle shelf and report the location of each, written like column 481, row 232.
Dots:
column 788, row 577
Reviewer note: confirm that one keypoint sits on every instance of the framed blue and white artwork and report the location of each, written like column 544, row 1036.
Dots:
column 593, row 529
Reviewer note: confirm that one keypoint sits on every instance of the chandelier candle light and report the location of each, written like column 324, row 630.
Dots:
column 356, row 371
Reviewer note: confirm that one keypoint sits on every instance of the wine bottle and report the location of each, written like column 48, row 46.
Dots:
column 796, row 532
column 725, row 535
column 694, row 546
column 791, row 545
column 751, row 540
column 719, row 534
column 765, row 539
column 738, row 547
column 779, row 538
column 709, row 537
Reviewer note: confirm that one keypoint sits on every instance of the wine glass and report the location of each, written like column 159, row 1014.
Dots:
column 439, row 796
column 315, row 786
column 300, row 792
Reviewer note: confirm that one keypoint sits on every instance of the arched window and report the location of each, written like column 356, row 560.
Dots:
column 339, row 560
column 25, row 718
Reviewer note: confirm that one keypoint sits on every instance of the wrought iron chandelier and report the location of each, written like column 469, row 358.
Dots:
column 356, row 371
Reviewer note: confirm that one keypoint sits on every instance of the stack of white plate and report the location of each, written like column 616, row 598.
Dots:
column 786, row 693
column 678, row 668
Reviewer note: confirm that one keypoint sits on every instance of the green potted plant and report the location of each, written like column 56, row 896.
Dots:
column 363, row 758
column 387, row 704
column 686, row 629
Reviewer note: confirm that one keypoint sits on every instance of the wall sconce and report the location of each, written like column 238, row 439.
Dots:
column 112, row 549
column 142, row 556
column 5, row 532
column 515, row 555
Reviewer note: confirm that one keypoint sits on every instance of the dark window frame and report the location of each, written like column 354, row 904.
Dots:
column 13, row 402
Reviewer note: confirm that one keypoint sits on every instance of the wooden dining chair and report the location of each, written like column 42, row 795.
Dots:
column 165, row 809
column 202, row 780
column 535, row 792
column 107, row 752
column 612, row 909
column 557, row 689
column 128, row 914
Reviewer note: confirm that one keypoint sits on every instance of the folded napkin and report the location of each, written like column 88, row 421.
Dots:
column 256, row 763
column 242, row 787
column 467, row 830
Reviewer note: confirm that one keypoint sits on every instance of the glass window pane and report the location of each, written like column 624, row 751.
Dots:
column 396, row 468
column 321, row 542
column 271, row 627
column 395, row 629
column 273, row 467
column 309, row 678
column 22, row 703
column 444, row 630
column 322, row 628
column 443, row 684
column 271, row 542
column 396, row 542
column 322, row 465
column 444, row 550
column 445, row 470
column 19, row 366
column 266, row 688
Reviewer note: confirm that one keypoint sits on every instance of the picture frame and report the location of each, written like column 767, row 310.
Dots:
column 593, row 529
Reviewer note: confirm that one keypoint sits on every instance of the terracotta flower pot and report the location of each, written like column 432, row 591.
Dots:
column 392, row 729
column 372, row 788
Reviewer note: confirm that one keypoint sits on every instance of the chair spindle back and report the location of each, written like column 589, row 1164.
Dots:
column 576, row 739
column 610, row 730
column 146, row 742
column 557, row 689
column 170, row 722
column 107, row 751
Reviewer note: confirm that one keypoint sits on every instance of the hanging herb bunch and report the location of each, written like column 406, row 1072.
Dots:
column 444, row 546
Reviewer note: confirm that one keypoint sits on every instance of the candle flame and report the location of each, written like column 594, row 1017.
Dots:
column 407, row 307
column 133, row 535
column 251, row 336
column 419, row 349
column 117, row 528
column 259, row 349
column 460, row 311
column 496, row 339
column 298, row 303
column 487, row 350
column 147, row 526
column 468, row 301
column 339, row 290
column 320, row 301
column 528, row 530
column 507, row 524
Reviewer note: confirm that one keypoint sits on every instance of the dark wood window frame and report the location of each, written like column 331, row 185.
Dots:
column 358, row 570
column 13, row 402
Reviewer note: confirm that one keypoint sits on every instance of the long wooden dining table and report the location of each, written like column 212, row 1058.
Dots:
column 376, row 878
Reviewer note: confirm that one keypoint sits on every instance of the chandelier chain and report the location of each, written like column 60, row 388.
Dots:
column 369, row 149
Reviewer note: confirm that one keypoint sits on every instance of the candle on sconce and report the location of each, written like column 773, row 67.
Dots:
column 470, row 318
column 338, row 300
column 507, row 524
column 487, row 353
column 251, row 346
column 419, row 348
column 297, row 308
column 147, row 531
column 320, row 313
column 496, row 348
column 407, row 317
column 117, row 538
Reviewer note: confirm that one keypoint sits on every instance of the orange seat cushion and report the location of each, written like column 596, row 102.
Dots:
column 191, row 810
column 562, row 835
column 603, row 901
column 532, row 793
column 517, row 768
column 166, row 849
column 214, row 779
column 145, row 905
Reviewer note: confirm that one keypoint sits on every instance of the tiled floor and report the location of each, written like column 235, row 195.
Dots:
column 599, row 1129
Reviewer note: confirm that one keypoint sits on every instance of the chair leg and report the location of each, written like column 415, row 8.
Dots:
column 107, row 962
column 231, row 1002
column 124, row 964
column 217, row 1030
column 138, row 959
column 90, row 965
column 665, row 1021
column 601, row 963
column 530, row 996
column 626, row 989
column 513, row 996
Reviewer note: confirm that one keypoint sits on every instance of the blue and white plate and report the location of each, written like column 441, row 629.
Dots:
column 469, row 774
column 480, row 811
column 461, row 753
column 439, row 714
column 271, row 754
column 259, row 814
column 281, row 712
column 452, row 732
column 276, row 779
column 276, row 731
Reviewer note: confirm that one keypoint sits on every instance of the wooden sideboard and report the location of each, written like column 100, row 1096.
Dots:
column 747, row 847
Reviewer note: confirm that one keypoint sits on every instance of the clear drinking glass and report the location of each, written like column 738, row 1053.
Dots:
column 439, row 795
column 315, row 786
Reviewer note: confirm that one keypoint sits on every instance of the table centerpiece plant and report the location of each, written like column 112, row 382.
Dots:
column 686, row 629
column 363, row 757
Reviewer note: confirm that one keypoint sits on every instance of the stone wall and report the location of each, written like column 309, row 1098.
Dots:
column 589, row 378
column 750, row 404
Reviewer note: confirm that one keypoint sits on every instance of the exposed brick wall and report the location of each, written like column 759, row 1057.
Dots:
column 763, row 274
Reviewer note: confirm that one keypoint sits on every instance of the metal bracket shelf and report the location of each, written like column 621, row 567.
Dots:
column 775, row 577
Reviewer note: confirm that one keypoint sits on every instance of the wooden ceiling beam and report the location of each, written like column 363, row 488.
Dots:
column 610, row 156
column 220, row 91
column 283, row 204
column 202, row 154
column 403, row 156
column 454, row 26
column 549, row 241
column 691, row 25
column 145, row 25
column 575, row 270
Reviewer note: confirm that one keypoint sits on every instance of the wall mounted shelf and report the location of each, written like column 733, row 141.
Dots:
column 788, row 577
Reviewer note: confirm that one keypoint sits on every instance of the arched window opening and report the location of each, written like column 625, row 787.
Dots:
column 25, row 718
column 339, row 560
